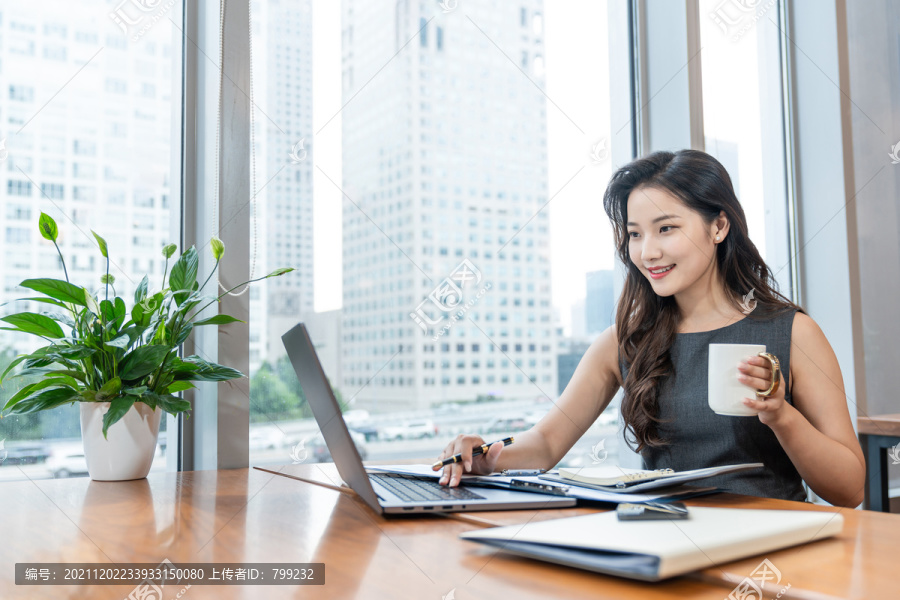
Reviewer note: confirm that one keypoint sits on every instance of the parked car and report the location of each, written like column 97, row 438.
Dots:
column 66, row 461
column 359, row 420
column 266, row 438
column 318, row 449
column 411, row 430
column 25, row 455
column 506, row 425
column 368, row 431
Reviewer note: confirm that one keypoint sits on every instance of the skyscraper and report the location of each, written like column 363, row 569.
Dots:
column 86, row 132
column 445, row 175
column 600, row 302
column 284, row 130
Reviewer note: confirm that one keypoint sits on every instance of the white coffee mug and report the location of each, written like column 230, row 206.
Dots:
column 725, row 393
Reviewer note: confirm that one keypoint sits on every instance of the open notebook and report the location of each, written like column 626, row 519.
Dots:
column 612, row 478
column 655, row 550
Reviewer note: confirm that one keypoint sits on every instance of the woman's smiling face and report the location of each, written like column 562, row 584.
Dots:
column 663, row 232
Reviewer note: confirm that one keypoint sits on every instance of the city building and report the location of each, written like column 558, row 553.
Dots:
column 283, row 130
column 600, row 302
column 445, row 175
column 94, row 156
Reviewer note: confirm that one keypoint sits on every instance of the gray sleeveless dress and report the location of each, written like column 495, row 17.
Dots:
column 698, row 437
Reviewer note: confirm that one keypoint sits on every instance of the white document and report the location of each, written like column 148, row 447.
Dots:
column 708, row 537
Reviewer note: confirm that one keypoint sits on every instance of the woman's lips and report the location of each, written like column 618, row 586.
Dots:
column 661, row 275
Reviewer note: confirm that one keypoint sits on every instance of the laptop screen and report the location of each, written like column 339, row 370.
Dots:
column 327, row 412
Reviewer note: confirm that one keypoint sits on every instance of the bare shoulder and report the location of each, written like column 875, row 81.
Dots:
column 812, row 357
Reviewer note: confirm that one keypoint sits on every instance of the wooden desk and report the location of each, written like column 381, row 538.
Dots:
column 249, row 515
column 876, row 435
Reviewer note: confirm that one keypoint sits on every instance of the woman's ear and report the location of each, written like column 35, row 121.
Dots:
column 721, row 226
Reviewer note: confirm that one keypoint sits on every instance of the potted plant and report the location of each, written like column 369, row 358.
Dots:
column 120, row 364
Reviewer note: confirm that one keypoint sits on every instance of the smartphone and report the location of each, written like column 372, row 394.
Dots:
column 651, row 510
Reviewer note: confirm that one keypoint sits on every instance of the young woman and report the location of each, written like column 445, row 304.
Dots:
column 679, row 210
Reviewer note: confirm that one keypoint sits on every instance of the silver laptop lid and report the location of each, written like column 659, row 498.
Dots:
column 328, row 413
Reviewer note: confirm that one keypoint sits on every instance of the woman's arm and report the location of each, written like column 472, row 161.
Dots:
column 593, row 385
column 816, row 433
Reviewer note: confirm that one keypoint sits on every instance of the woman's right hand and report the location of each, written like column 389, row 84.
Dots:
column 479, row 465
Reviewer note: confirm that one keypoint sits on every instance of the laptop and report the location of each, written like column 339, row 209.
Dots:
column 391, row 493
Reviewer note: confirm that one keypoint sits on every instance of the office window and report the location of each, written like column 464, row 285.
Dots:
column 480, row 148
column 742, row 104
column 66, row 104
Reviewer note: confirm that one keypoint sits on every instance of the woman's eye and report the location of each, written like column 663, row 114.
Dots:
column 632, row 234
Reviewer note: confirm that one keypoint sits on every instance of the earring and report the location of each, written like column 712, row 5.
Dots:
column 717, row 238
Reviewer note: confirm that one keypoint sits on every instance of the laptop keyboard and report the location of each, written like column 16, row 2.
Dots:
column 411, row 489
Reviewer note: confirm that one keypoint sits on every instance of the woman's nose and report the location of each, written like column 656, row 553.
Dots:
column 649, row 250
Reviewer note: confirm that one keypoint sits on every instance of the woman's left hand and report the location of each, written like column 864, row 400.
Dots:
column 756, row 372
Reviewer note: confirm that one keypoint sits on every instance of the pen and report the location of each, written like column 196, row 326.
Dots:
column 522, row 472
column 476, row 451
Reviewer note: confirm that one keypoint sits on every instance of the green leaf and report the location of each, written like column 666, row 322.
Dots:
column 58, row 289
column 179, row 386
column 48, row 227
column 118, row 407
column 68, row 372
column 44, row 300
column 168, row 250
column 123, row 341
column 148, row 398
column 14, row 363
column 279, row 272
column 183, row 334
column 218, row 320
column 180, row 367
column 48, row 382
column 218, row 248
column 207, row 371
column 75, row 352
column 40, row 385
column 102, row 244
column 184, row 271
column 141, row 292
column 135, row 391
column 62, row 318
column 91, row 303
column 107, row 278
column 110, row 388
column 171, row 404
column 35, row 324
column 109, row 311
column 120, row 311
column 141, row 361
column 45, row 400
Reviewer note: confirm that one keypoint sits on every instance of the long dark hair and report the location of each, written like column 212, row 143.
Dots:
column 646, row 323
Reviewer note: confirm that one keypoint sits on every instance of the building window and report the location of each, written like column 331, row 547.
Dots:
column 423, row 32
column 54, row 191
column 21, row 93
column 18, row 188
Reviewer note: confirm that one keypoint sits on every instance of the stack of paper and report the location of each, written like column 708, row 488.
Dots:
column 655, row 550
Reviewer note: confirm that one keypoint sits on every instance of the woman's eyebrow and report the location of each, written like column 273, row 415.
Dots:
column 657, row 219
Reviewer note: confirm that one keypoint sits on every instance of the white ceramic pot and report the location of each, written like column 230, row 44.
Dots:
column 128, row 451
